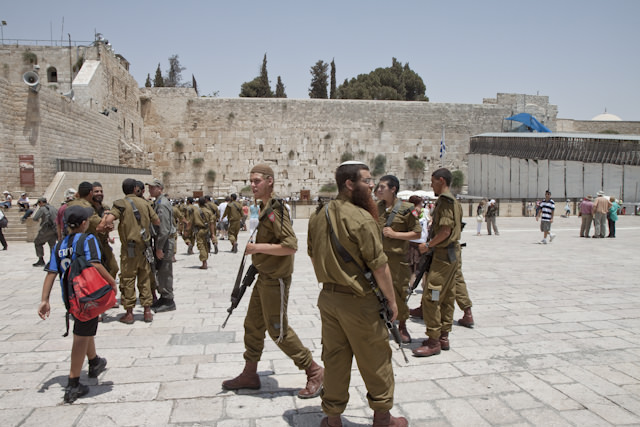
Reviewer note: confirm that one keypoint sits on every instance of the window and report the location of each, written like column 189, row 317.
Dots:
column 52, row 75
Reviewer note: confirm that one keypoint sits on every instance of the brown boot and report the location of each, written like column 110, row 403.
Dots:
column 404, row 333
column 384, row 418
column 444, row 341
column 247, row 379
column 148, row 316
column 331, row 421
column 467, row 319
column 416, row 312
column 127, row 318
column 429, row 347
column 203, row 266
column 315, row 376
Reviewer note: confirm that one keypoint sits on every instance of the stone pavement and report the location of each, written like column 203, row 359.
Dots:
column 556, row 342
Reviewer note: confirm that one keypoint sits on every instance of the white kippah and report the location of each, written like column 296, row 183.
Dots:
column 352, row 162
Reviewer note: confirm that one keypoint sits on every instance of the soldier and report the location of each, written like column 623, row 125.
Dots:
column 440, row 291
column 211, row 205
column 84, row 198
column 135, row 217
column 164, row 248
column 108, row 258
column 188, row 234
column 351, row 325
column 203, row 224
column 233, row 212
column 272, row 256
column 399, row 223
column 47, row 232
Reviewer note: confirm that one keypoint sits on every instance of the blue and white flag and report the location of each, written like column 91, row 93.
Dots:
column 443, row 148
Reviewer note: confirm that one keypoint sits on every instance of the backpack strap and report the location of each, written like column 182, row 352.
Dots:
column 79, row 252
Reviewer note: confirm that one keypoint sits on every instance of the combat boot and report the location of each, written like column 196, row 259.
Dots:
column 190, row 250
column 234, row 249
column 39, row 263
column 467, row 319
column 127, row 318
column 247, row 379
column 215, row 249
column 203, row 266
column 384, row 418
column 404, row 333
column 444, row 341
column 416, row 312
column 430, row 347
column 331, row 421
column 148, row 315
column 315, row 376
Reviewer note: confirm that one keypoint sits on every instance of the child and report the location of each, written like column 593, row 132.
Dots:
column 83, row 332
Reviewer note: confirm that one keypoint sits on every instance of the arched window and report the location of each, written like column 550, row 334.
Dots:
column 52, row 75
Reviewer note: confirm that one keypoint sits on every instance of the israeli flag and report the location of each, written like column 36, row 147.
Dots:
column 443, row 148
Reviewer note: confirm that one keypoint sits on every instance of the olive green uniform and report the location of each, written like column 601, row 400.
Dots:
column 350, row 312
column 440, row 291
column 462, row 294
column 133, row 263
column 213, row 208
column 234, row 213
column 267, row 309
column 397, row 250
column 201, row 220
column 108, row 258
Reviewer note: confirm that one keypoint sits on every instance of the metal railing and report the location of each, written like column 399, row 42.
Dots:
column 65, row 165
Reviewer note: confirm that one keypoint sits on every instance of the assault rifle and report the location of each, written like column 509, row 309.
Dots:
column 242, row 283
column 385, row 312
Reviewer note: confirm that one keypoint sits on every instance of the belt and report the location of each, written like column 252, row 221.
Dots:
column 334, row 287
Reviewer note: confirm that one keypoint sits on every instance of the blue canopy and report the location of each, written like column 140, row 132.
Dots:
column 529, row 121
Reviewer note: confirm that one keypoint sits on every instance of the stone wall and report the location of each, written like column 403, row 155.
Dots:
column 594, row 126
column 49, row 126
column 305, row 140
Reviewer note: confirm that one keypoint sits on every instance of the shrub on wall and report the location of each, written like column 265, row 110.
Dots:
column 211, row 175
column 415, row 164
column 329, row 188
column 178, row 144
column 379, row 164
column 346, row 157
column 198, row 161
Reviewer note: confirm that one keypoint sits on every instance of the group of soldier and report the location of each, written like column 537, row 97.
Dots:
column 358, row 248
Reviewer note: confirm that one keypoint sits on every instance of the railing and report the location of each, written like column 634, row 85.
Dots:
column 33, row 42
column 64, row 165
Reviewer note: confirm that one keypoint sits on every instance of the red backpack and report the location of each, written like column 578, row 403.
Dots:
column 86, row 293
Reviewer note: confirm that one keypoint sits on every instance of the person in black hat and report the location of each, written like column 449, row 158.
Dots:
column 76, row 218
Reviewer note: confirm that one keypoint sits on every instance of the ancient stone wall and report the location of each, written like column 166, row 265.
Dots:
column 594, row 126
column 49, row 126
column 189, row 138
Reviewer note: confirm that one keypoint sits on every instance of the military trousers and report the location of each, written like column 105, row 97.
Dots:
column 164, row 271
column 263, row 314
column 462, row 294
column 132, row 268
column 202, row 240
column 46, row 235
column 400, row 275
column 109, row 259
column 351, row 326
column 234, row 229
column 439, row 295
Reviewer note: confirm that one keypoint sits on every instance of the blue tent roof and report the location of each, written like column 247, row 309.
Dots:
column 529, row 121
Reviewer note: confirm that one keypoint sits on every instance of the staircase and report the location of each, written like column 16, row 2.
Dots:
column 16, row 232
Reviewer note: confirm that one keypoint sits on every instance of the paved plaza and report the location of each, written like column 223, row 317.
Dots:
column 556, row 342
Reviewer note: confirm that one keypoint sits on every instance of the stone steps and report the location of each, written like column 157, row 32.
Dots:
column 15, row 231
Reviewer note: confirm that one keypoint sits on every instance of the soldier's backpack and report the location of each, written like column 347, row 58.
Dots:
column 85, row 292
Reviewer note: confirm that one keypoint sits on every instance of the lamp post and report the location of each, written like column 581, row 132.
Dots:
column 2, row 24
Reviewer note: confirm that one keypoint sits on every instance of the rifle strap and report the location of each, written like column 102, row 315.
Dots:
column 393, row 213
column 282, row 309
column 344, row 254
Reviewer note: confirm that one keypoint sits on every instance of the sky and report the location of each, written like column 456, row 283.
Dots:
column 582, row 54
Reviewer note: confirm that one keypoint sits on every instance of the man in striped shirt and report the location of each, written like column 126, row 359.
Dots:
column 547, row 207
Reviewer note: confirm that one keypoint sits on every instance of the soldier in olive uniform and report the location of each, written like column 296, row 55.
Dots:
column 108, row 258
column 351, row 324
column 404, row 226
column 440, row 290
column 135, row 217
column 202, row 222
column 188, row 234
column 233, row 212
column 272, row 256
column 84, row 198
column 211, row 205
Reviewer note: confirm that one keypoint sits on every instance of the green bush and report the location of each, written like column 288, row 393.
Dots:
column 178, row 144
column 415, row 164
column 458, row 179
column 210, row 175
column 198, row 161
column 379, row 164
column 346, row 157
column 329, row 188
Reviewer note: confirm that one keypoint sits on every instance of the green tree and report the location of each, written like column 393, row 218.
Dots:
column 258, row 87
column 397, row 82
column 319, row 80
column 457, row 180
column 333, row 92
column 174, row 73
column 158, row 81
column 280, row 93
column 147, row 83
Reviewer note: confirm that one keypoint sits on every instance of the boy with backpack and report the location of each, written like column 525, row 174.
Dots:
column 62, row 257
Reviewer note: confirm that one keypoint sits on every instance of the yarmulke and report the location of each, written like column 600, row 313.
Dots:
column 263, row 168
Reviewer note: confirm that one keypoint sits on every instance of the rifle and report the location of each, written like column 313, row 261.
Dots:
column 385, row 312
column 423, row 267
column 242, row 283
